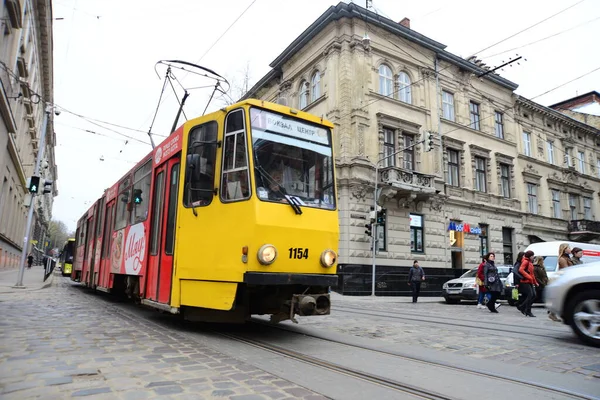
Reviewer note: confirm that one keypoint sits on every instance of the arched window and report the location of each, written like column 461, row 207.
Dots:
column 315, row 86
column 404, row 92
column 386, row 84
column 303, row 96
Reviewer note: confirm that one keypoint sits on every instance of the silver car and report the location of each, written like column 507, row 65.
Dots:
column 465, row 288
column 575, row 297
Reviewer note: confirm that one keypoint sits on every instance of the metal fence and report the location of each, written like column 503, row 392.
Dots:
column 49, row 265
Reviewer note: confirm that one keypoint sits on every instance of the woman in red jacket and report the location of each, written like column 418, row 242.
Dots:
column 482, row 291
column 527, row 284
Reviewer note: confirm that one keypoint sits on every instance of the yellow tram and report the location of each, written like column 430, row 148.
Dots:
column 233, row 214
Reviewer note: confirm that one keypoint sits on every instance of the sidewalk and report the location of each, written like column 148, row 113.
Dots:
column 381, row 299
column 33, row 279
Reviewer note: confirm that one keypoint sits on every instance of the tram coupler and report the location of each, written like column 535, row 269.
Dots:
column 310, row 304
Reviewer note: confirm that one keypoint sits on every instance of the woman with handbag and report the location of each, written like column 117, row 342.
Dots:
column 479, row 281
column 492, row 281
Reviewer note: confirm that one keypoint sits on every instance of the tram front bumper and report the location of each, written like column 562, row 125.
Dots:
column 269, row 278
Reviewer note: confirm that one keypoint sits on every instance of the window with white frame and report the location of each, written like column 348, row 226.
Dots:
column 474, row 113
column 505, row 180
column 556, row 210
column 386, row 83
column 389, row 147
column 568, row 159
column 573, row 200
column 527, row 143
column 587, row 208
column 480, row 174
column 499, row 124
column 409, row 152
column 550, row 151
column 303, row 96
column 448, row 105
column 404, row 93
column 581, row 159
column 315, row 86
column 453, row 168
column 532, row 198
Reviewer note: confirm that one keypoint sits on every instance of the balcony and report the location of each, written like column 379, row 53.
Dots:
column 583, row 230
column 405, row 184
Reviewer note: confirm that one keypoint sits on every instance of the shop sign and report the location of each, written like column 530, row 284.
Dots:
column 464, row 227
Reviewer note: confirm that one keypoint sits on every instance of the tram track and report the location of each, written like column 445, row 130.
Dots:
column 529, row 332
column 130, row 311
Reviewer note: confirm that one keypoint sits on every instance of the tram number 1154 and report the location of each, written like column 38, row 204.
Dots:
column 298, row 252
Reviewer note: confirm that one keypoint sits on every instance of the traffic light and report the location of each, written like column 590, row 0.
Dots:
column 381, row 215
column 369, row 230
column 429, row 141
column 34, row 184
column 137, row 196
column 46, row 186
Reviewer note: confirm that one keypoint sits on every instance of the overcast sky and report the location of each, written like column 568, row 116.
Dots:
column 105, row 52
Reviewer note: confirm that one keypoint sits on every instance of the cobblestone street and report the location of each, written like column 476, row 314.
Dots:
column 53, row 347
column 507, row 337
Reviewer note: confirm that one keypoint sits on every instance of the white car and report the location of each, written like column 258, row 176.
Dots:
column 575, row 297
column 465, row 288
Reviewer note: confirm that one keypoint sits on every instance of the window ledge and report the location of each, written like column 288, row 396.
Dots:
column 467, row 128
column 314, row 103
column 399, row 102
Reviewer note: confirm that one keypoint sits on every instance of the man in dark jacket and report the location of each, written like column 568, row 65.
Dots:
column 416, row 275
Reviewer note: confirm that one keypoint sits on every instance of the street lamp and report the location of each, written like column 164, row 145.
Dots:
column 375, row 204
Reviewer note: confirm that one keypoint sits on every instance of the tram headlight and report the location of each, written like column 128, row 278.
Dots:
column 328, row 258
column 267, row 254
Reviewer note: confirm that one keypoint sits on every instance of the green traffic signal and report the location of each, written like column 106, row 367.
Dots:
column 34, row 184
column 137, row 196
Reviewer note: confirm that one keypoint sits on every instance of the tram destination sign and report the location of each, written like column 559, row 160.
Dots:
column 272, row 122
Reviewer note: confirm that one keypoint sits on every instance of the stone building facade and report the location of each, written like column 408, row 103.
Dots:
column 26, row 78
column 481, row 188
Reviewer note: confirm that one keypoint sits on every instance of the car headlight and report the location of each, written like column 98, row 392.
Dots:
column 445, row 286
column 470, row 285
column 267, row 254
column 328, row 258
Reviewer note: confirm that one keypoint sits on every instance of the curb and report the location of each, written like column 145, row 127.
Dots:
column 44, row 285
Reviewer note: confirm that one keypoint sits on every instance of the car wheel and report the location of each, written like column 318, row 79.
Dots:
column 451, row 301
column 583, row 312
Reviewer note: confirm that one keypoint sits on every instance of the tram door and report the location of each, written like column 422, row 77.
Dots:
column 162, row 240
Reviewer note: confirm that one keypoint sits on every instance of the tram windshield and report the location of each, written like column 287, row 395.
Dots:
column 67, row 253
column 293, row 161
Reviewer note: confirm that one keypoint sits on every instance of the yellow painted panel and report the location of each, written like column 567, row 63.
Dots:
column 206, row 294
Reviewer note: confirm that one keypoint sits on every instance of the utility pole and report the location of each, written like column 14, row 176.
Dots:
column 374, row 229
column 36, row 172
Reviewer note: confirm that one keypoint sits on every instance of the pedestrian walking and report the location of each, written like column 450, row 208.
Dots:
column 516, row 276
column 576, row 254
column 539, row 270
column 29, row 261
column 564, row 256
column 416, row 276
column 493, row 284
column 484, row 295
column 528, row 283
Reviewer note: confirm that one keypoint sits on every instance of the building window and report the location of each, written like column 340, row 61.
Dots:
column 568, row 159
column 581, row 159
column 507, row 245
column 303, row 97
column 573, row 199
column 483, row 239
column 416, row 233
column 381, row 237
column 598, row 167
column 532, row 198
column 505, row 180
column 557, row 212
column 315, row 84
column 386, row 84
column 550, row 147
column 587, row 208
column 474, row 111
column 409, row 152
column 499, row 120
column 527, row 143
column 453, row 168
column 404, row 93
column 480, row 174
column 389, row 147
column 448, row 105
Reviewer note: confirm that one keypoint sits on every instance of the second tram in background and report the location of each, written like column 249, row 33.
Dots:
column 233, row 214
column 66, row 257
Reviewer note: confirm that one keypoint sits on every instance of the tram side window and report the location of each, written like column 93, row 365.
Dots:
column 141, row 193
column 100, row 218
column 200, row 165
column 172, row 211
column 122, row 204
column 234, row 182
